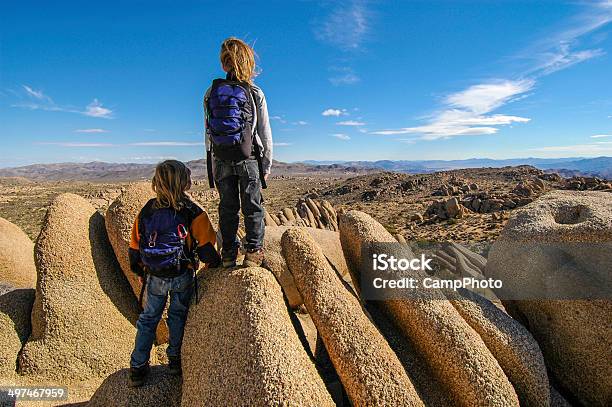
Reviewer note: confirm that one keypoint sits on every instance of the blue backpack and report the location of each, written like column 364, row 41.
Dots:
column 163, row 233
column 231, row 121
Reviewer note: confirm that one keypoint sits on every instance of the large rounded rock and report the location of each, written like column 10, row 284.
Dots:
column 455, row 352
column 160, row 389
column 369, row 370
column 83, row 315
column 563, row 238
column 15, row 309
column 16, row 256
column 240, row 347
column 120, row 217
column 275, row 261
column 512, row 345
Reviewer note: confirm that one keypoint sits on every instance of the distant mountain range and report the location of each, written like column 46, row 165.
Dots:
column 600, row 166
column 100, row 171
column 112, row 172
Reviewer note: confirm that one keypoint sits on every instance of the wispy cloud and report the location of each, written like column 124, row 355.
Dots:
column 78, row 144
column 346, row 26
column 300, row 123
column 88, row 144
column 344, row 75
column 351, row 123
column 471, row 112
column 37, row 100
column 278, row 118
column 167, row 143
column 467, row 113
column 282, row 144
column 334, row 112
column 341, row 136
column 91, row 131
column 560, row 50
column 601, row 135
column 95, row 109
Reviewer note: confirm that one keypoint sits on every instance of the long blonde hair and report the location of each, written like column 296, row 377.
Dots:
column 238, row 58
column 172, row 178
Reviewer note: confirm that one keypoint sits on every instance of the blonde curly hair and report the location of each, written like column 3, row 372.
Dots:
column 172, row 178
column 238, row 57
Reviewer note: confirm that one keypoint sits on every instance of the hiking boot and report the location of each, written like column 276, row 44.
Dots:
column 174, row 366
column 138, row 375
column 228, row 257
column 253, row 258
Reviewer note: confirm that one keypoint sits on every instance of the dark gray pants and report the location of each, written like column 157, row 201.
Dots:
column 239, row 187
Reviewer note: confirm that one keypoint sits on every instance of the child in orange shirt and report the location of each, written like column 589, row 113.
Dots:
column 169, row 236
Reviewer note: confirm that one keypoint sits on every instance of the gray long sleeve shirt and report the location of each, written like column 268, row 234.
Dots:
column 263, row 136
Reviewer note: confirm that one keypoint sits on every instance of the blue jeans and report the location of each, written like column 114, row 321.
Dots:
column 239, row 187
column 180, row 289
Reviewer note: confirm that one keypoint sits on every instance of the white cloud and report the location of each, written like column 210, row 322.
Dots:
column 340, row 136
column 300, row 123
column 91, row 131
column 351, row 123
column 95, row 109
column 78, row 144
column 334, row 112
column 36, row 94
column 346, row 26
column 279, row 118
column 601, row 135
column 167, row 143
column 37, row 100
column 559, row 50
column 485, row 97
column 345, row 76
column 282, row 144
column 466, row 113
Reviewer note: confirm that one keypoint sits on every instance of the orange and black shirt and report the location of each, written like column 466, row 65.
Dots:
column 201, row 240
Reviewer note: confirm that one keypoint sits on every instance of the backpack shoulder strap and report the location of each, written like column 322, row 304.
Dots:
column 145, row 212
column 190, row 211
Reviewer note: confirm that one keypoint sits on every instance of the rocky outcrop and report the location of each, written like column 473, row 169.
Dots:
column 241, row 348
column 370, row 371
column 15, row 309
column 275, row 260
column 470, row 374
column 83, row 315
column 587, row 183
column 16, row 256
column 308, row 212
column 564, row 237
column 510, row 343
column 160, row 389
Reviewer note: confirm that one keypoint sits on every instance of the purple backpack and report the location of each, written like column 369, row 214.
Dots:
column 230, row 117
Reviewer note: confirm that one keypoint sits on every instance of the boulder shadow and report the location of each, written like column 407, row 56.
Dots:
column 112, row 280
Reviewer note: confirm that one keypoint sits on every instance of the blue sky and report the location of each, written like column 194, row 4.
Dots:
column 354, row 80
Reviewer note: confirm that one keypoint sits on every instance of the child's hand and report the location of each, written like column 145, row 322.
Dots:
column 141, row 280
column 266, row 176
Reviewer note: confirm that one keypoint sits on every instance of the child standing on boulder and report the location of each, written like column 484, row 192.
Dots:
column 239, row 150
column 169, row 236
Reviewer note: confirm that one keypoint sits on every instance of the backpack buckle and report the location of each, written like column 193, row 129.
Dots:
column 152, row 239
column 182, row 231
